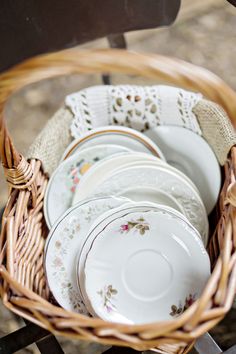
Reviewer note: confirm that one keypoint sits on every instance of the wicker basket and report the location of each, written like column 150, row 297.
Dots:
column 23, row 287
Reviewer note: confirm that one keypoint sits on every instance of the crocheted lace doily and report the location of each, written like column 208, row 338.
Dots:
column 137, row 107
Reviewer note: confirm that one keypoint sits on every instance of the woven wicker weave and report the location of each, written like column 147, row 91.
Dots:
column 23, row 286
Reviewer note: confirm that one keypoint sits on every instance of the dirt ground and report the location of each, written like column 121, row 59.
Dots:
column 204, row 36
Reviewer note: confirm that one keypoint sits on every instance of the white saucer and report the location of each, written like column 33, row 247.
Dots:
column 145, row 266
column 130, row 138
column 64, row 181
column 100, row 223
column 166, row 180
column 191, row 154
column 64, row 243
column 99, row 172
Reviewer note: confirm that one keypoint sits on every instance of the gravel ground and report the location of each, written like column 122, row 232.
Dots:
column 206, row 39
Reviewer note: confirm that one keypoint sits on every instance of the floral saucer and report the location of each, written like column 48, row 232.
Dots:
column 145, row 266
column 101, row 222
column 166, row 180
column 130, row 138
column 101, row 170
column 64, row 243
column 65, row 179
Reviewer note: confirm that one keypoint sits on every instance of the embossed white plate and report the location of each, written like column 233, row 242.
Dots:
column 155, row 195
column 123, row 136
column 158, row 162
column 191, row 154
column 165, row 180
column 99, row 172
column 64, row 243
column 65, row 179
column 145, row 266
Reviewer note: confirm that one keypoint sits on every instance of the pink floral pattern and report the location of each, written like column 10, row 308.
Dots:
column 77, row 170
column 178, row 310
column 75, row 173
column 108, row 295
column 57, row 262
column 140, row 225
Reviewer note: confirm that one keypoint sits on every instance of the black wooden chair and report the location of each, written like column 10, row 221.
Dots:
column 28, row 28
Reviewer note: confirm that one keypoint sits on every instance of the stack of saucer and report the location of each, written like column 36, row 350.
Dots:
column 129, row 226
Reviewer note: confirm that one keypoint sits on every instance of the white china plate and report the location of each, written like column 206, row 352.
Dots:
column 191, row 154
column 130, row 138
column 64, row 181
column 100, row 223
column 99, row 172
column 64, row 243
column 158, row 162
column 153, row 195
column 164, row 179
column 145, row 267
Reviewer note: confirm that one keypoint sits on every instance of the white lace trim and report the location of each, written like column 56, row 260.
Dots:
column 138, row 107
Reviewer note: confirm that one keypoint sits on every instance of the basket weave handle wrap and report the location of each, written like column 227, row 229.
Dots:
column 158, row 67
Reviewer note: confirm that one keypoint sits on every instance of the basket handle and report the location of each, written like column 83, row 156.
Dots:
column 174, row 71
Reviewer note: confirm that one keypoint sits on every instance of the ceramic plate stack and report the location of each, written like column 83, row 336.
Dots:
column 84, row 153
column 129, row 225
